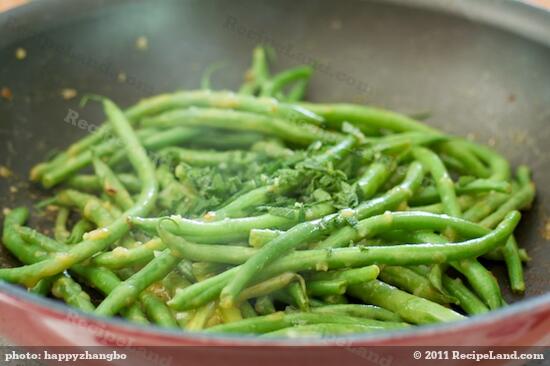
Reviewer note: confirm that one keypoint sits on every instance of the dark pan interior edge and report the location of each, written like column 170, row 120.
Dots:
column 516, row 16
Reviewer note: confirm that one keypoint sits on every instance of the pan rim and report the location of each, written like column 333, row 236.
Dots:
column 59, row 310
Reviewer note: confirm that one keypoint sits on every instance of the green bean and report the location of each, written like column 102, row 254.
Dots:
column 58, row 174
column 128, row 291
column 202, row 270
column 410, row 308
column 209, row 207
column 226, row 140
column 207, row 74
column 334, row 114
column 349, row 276
column 524, row 196
column 258, row 74
column 106, row 281
column 101, row 278
column 321, row 330
column 174, row 281
column 512, row 258
column 302, row 134
column 285, row 297
column 209, row 157
column 335, row 300
column 261, row 195
column 430, row 195
column 405, row 220
column 519, row 200
column 460, row 150
column 12, row 240
column 326, row 288
column 500, row 168
column 368, row 117
column 112, row 186
column 270, row 323
column 354, row 257
column 44, row 286
column 478, row 276
column 259, row 237
column 201, row 317
column 297, row 92
column 436, row 272
column 247, row 310
column 164, row 102
column 443, row 181
column 272, row 148
column 372, row 179
column 121, row 257
column 92, row 208
column 372, row 226
column 60, row 229
column 77, row 162
column 485, row 206
column 298, row 294
column 230, row 229
column 159, row 141
column 92, row 183
column 271, row 285
column 264, row 305
column 274, row 85
column 230, row 315
column 101, row 238
column 311, row 230
column 204, row 253
column 359, row 311
column 467, row 299
column 80, row 228
column 71, row 292
column 62, row 286
column 157, row 310
column 464, row 202
column 230, row 101
column 523, row 174
column 388, row 200
column 174, row 191
column 407, row 280
column 496, row 255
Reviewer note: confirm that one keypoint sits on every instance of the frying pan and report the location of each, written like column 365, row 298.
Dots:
column 480, row 68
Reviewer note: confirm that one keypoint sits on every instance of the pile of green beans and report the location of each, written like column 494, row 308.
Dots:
column 256, row 213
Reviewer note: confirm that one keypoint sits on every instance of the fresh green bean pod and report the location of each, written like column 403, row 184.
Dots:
column 407, row 280
column 60, row 229
column 466, row 298
column 264, row 305
column 410, row 308
column 99, row 239
column 359, row 311
column 298, row 294
column 112, row 185
column 70, row 291
column 92, row 183
column 301, row 134
column 270, row 323
column 411, row 254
